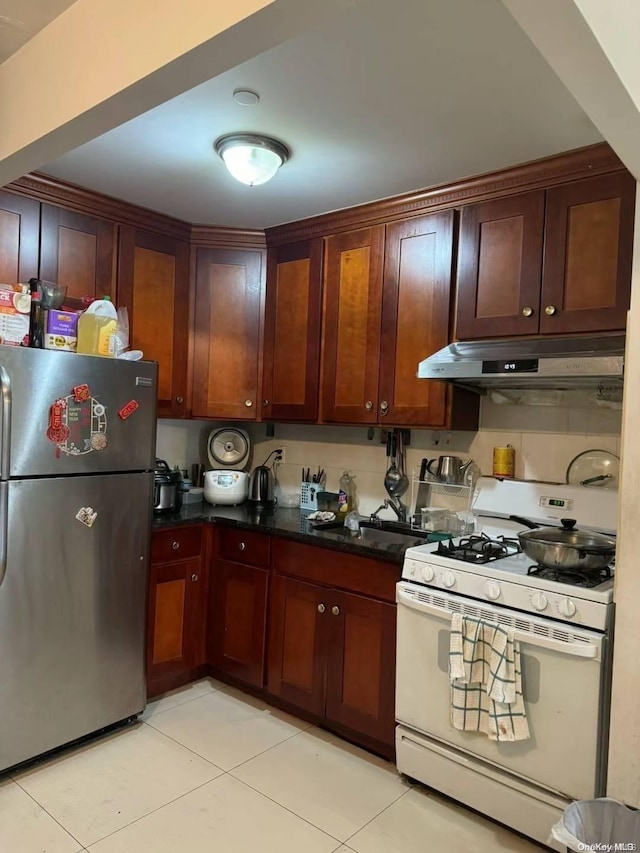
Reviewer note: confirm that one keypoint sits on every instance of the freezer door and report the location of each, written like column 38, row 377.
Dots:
column 48, row 429
column 72, row 608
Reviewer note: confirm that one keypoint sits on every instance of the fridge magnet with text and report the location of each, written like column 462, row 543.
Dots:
column 78, row 423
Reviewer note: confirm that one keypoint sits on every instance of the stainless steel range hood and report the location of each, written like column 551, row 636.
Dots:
column 558, row 363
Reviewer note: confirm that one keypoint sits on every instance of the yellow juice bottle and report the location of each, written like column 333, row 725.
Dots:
column 97, row 328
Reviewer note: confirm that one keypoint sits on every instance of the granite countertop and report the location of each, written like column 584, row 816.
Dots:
column 293, row 524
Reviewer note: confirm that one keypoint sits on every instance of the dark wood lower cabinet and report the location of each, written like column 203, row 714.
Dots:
column 267, row 613
column 361, row 665
column 297, row 643
column 238, row 620
column 332, row 653
column 176, row 618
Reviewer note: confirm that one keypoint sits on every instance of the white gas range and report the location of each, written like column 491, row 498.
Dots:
column 563, row 626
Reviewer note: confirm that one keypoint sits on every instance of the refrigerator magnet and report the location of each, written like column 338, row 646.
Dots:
column 128, row 409
column 81, row 393
column 86, row 515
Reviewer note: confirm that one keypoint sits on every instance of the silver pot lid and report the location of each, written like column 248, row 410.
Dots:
column 570, row 536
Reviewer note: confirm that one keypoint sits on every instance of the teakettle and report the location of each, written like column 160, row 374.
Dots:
column 450, row 469
column 261, row 485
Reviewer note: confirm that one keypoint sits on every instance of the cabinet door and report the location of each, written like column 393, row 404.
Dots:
column 227, row 333
column 293, row 314
column 353, row 302
column 238, row 619
column 298, row 617
column 19, row 236
column 172, row 637
column 415, row 318
column 500, row 266
column 361, row 665
column 77, row 251
column 586, row 283
column 153, row 283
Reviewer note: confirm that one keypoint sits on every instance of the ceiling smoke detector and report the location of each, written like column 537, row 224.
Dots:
column 246, row 97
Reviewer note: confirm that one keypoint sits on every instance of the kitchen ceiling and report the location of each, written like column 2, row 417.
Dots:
column 20, row 20
column 391, row 97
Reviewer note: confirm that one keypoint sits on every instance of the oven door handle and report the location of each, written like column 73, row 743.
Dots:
column 581, row 650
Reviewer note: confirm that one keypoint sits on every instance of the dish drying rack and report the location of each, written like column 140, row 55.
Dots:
column 449, row 506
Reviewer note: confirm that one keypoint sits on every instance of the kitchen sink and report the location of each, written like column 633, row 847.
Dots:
column 382, row 527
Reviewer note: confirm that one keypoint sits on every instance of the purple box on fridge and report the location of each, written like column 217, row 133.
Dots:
column 61, row 330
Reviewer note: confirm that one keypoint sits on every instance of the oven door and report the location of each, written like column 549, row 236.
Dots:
column 561, row 683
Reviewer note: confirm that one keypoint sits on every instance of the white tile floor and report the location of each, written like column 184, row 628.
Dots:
column 210, row 769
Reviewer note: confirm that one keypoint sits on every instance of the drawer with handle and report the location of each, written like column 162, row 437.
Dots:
column 244, row 546
column 181, row 543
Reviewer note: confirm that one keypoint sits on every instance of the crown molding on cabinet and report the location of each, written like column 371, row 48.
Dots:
column 562, row 168
column 72, row 197
column 213, row 237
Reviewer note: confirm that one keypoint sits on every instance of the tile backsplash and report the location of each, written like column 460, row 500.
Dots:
column 545, row 440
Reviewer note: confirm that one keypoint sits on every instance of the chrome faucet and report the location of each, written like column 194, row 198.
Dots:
column 396, row 505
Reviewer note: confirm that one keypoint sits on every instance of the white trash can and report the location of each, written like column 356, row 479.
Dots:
column 595, row 824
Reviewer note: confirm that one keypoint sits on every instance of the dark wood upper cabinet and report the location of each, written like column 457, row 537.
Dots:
column 153, row 284
column 361, row 665
column 228, row 309
column 352, row 315
column 298, row 616
column 415, row 318
column 293, row 315
column 500, row 267
column 77, row 251
column 19, row 238
column 586, row 281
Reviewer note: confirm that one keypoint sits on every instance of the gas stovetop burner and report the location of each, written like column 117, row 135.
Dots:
column 573, row 578
column 479, row 549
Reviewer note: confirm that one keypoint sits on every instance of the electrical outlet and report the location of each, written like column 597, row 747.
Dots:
column 282, row 458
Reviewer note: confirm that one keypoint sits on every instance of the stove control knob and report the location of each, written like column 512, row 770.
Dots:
column 410, row 568
column 448, row 579
column 539, row 602
column 492, row 590
column 567, row 608
column 427, row 574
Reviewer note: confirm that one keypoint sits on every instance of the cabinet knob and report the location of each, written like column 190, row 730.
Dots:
column 195, row 577
column 175, row 545
column 527, row 311
column 335, row 610
column 368, row 405
column 242, row 546
column 321, row 608
column 265, row 402
column 384, row 407
column 179, row 400
column 550, row 310
column 248, row 403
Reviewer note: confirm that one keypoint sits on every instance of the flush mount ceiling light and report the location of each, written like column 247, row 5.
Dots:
column 250, row 158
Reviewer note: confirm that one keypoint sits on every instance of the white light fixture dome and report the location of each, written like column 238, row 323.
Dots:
column 250, row 158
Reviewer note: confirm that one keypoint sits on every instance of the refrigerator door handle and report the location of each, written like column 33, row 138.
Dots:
column 4, row 527
column 5, row 424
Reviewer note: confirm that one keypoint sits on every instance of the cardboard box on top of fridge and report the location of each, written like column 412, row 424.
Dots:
column 15, row 311
column 61, row 330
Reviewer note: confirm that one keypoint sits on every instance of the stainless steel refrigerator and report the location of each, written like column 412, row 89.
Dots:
column 77, row 448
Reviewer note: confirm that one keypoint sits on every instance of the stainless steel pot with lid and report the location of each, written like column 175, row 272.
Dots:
column 566, row 547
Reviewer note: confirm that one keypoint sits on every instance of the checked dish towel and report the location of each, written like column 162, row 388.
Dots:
column 486, row 680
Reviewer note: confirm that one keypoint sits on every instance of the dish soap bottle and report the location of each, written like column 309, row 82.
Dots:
column 97, row 328
column 346, row 495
